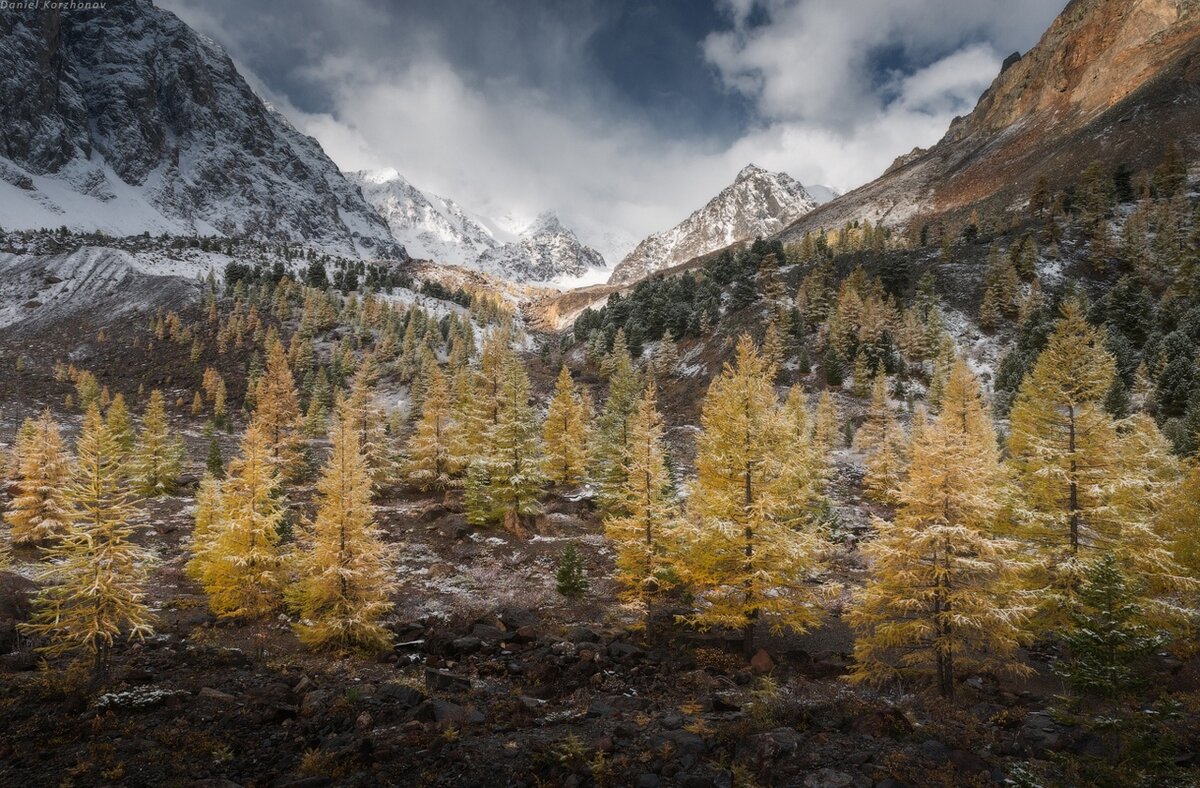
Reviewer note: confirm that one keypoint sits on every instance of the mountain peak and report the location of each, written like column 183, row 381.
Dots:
column 758, row 202
column 749, row 171
column 380, row 176
column 546, row 223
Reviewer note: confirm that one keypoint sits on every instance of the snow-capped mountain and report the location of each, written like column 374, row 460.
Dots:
column 758, row 202
column 544, row 252
column 430, row 227
column 122, row 119
column 510, row 246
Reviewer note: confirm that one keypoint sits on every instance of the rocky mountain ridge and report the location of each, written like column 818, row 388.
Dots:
column 1110, row 80
column 124, row 120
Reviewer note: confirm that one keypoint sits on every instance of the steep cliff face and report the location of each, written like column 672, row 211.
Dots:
column 123, row 119
column 1114, row 80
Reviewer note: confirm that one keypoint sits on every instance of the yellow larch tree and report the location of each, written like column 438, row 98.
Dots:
column 565, row 434
column 95, row 581
column 887, row 465
column 117, row 420
column 806, row 466
column 39, row 509
column 505, row 480
column 870, row 435
column 207, row 521
column 1078, row 488
column 344, row 573
column 431, row 463
column 1179, row 519
column 366, row 416
column 642, row 536
column 277, row 412
column 240, row 563
column 939, row 602
column 158, row 455
column 747, row 559
column 826, row 430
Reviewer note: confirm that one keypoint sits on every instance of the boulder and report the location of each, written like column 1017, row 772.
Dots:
column 766, row 747
column 761, row 662
column 444, row 681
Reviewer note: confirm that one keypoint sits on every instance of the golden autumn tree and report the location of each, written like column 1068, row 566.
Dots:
column 117, row 420
column 239, row 560
column 431, row 461
column 887, row 465
column 365, row 415
column 158, row 456
column 39, row 509
column 1179, row 519
column 344, row 575
column 939, row 601
column 870, row 435
column 807, row 465
column 746, row 557
column 826, row 433
column 504, row 483
column 207, row 520
column 565, row 434
column 97, row 574
column 1077, row 485
column 641, row 537
column 277, row 412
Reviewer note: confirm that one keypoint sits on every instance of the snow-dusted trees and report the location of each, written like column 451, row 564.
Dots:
column 158, row 455
column 98, row 572
column 641, row 537
column 746, row 557
column 341, row 593
column 365, row 416
column 237, row 556
column 612, row 433
column 939, row 600
column 277, row 412
column 39, row 509
column 565, row 433
column 1082, row 492
column 431, row 461
column 504, row 482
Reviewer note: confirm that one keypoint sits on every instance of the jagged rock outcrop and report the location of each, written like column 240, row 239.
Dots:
column 1114, row 80
column 757, row 203
column 123, row 119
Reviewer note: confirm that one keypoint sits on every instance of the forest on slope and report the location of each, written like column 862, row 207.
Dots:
column 872, row 507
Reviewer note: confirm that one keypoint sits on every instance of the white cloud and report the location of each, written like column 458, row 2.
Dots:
column 825, row 109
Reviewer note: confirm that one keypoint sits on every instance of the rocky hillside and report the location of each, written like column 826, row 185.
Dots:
column 124, row 120
column 757, row 203
column 1114, row 80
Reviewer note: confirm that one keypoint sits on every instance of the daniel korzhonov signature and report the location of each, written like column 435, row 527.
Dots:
column 51, row 5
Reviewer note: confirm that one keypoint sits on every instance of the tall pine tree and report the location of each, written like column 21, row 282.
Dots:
column 746, row 558
column 939, row 602
column 39, row 510
column 99, row 573
column 642, row 537
column 341, row 596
